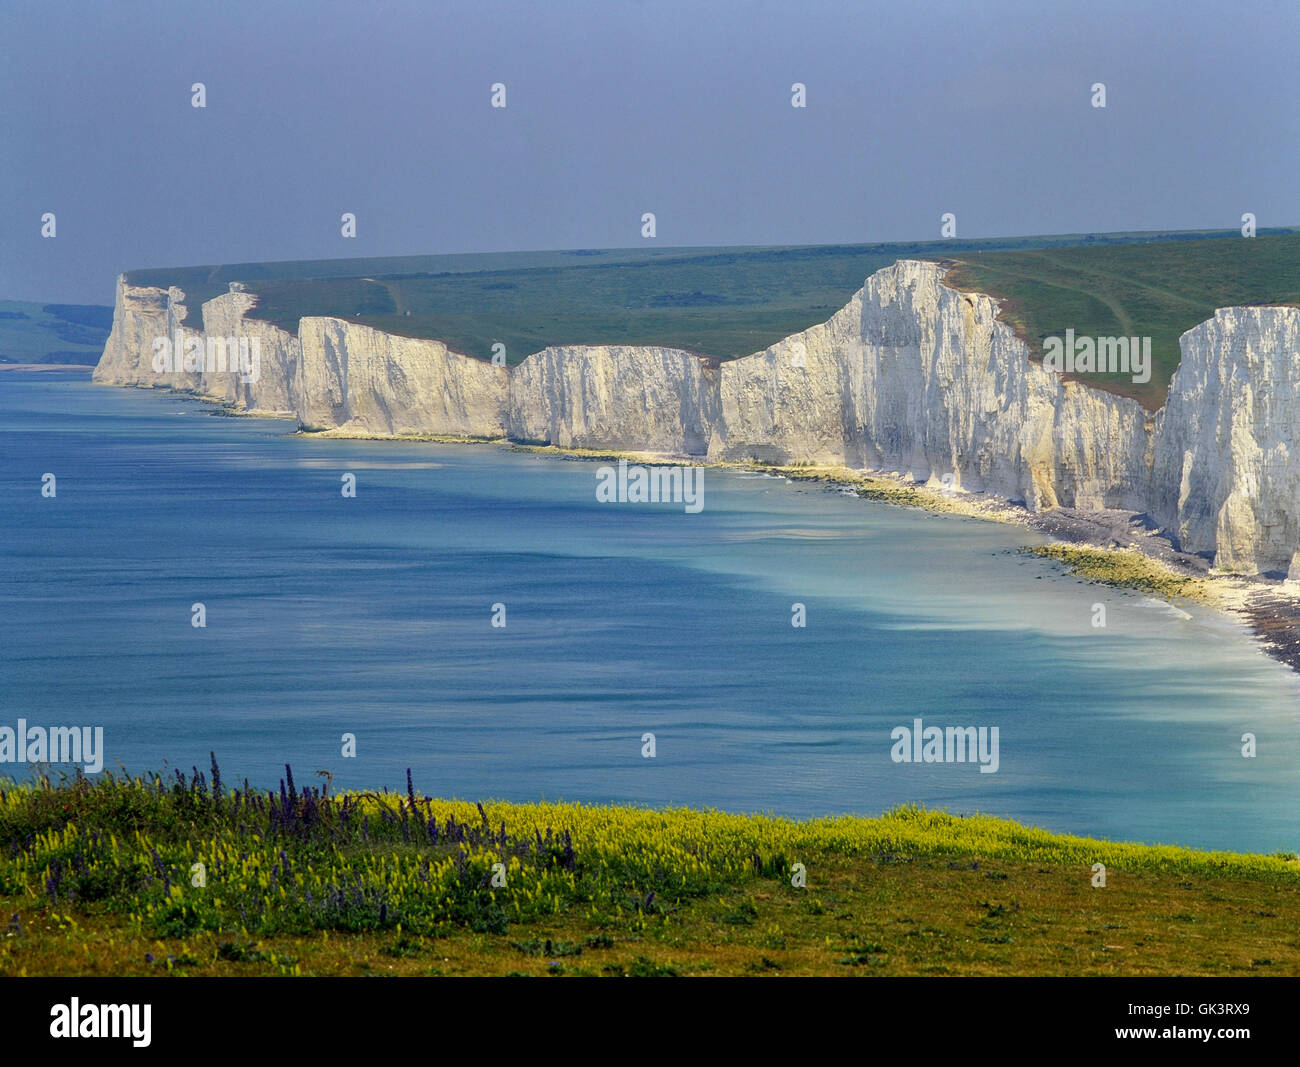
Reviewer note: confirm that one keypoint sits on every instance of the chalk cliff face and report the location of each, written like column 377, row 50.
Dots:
column 916, row 378
column 1228, row 444
column 653, row 399
column 140, row 314
column 361, row 380
column 268, row 390
column 145, row 314
column 910, row 377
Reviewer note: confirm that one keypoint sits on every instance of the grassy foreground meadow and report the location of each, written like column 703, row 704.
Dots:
column 152, row 875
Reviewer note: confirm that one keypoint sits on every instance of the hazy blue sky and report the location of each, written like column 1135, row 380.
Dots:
column 617, row 108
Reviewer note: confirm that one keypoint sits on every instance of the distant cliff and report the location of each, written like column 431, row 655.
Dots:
column 649, row 399
column 910, row 377
column 358, row 379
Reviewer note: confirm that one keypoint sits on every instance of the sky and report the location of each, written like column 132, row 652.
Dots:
column 618, row 108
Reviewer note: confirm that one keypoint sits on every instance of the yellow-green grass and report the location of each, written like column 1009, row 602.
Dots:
column 886, row 490
column 1127, row 568
column 629, row 891
column 426, row 438
column 604, row 454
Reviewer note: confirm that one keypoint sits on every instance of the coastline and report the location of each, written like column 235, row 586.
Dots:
column 1120, row 549
column 39, row 368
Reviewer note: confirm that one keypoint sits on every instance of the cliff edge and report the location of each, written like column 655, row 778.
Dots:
column 910, row 377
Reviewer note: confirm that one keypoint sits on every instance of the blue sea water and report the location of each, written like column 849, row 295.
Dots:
column 372, row 616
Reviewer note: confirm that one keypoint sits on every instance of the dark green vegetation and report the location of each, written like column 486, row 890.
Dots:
column 182, row 875
column 1155, row 290
column 719, row 302
column 53, row 333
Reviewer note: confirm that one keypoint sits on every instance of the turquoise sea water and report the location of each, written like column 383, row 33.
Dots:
column 372, row 616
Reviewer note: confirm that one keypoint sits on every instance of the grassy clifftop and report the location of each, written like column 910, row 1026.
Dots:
column 729, row 302
column 183, row 875
column 1157, row 290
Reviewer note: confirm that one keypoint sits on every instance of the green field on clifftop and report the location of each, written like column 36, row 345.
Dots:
column 1157, row 290
column 729, row 302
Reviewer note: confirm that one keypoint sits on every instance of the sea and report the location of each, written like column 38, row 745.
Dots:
column 480, row 618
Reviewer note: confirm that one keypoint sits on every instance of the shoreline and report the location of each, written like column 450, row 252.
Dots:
column 38, row 368
column 1117, row 548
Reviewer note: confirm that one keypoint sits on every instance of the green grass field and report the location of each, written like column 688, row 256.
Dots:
column 721, row 302
column 181, row 875
column 1155, row 290
column 729, row 302
column 53, row 333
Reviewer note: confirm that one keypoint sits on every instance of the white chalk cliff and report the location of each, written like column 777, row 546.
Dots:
column 910, row 377
column 270, row 392
column 360, row 380
column 649, row 399
column 1227, row 445
column 145, row 314
column 918, row 379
